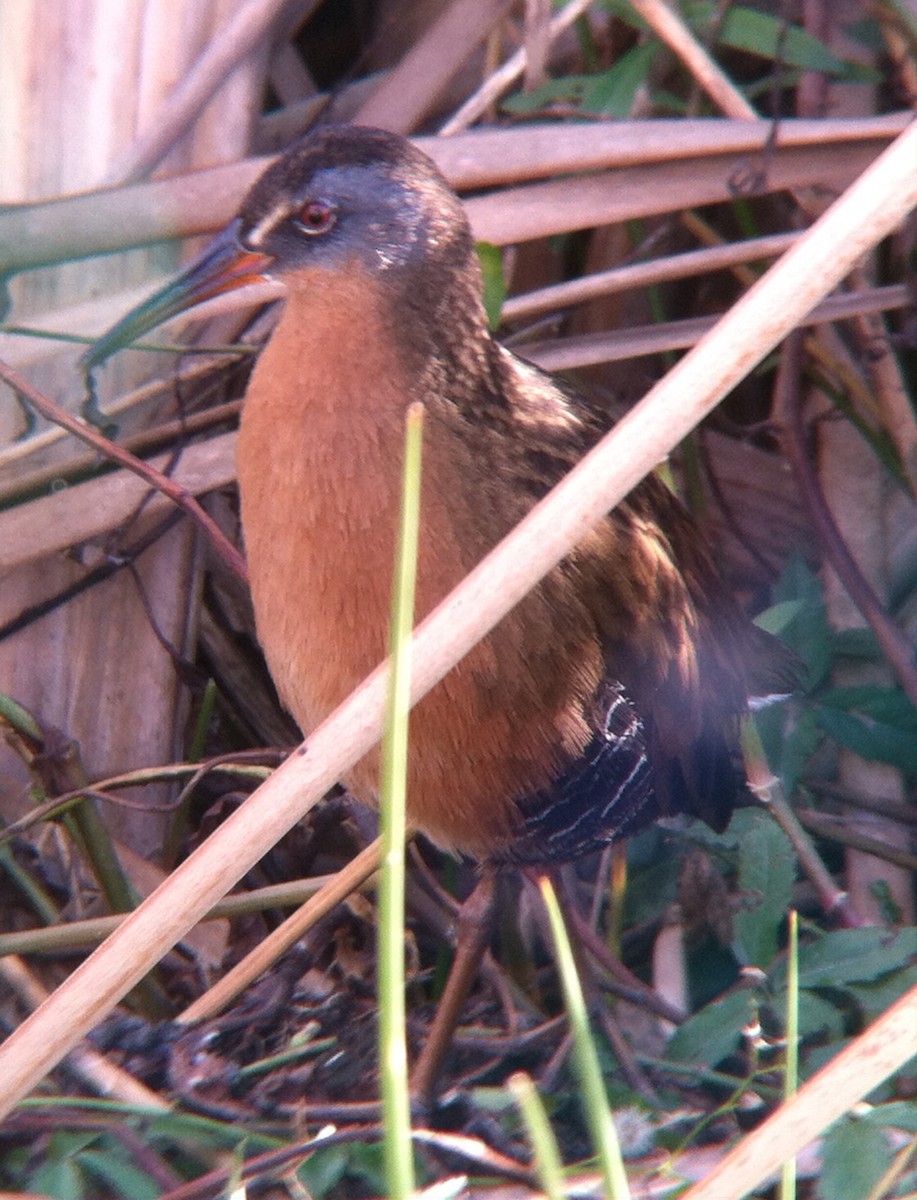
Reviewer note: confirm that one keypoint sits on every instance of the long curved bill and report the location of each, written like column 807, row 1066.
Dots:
column 224, row 265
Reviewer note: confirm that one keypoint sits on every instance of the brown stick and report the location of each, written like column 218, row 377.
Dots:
column 475, row 922
column 117, row 454
column 791, row 433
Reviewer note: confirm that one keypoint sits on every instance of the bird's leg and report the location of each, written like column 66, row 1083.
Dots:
column 583, row 943
column 474, row 926
column 619, row 980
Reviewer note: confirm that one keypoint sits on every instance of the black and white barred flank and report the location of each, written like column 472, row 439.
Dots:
column 604, row 794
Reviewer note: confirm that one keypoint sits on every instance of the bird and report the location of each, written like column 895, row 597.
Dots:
column 611, row 695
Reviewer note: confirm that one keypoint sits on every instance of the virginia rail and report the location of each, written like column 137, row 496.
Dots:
column 611, row 695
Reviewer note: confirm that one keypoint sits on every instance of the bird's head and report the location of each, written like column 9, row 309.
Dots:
column 345, row 197
column 342, row 198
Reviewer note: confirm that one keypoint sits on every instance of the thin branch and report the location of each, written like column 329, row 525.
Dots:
column 887, row 385
column 117, row 454
column 838, row 829
column 791, row 432
column 109, row 566
column 93, row 1068
column 338, row 888
column 407, row 92
column 902, row 811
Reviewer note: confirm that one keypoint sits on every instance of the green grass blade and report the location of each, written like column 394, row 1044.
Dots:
column 548, row 1165
column 791, row 1068
column 393, row 1063
column 598, row 1112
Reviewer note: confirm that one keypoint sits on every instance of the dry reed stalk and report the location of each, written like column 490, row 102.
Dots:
column 669, row 27
column 200, row 201
column 862, row 1065
column 863, row 520
column 75, row 89
column 67, row 518
column 509, row 72
column 407, row 93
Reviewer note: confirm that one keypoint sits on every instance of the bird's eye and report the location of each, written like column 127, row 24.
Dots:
column 316, row 216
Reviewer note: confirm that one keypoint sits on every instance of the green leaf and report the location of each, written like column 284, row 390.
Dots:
column 882, row 727
column 875, row 996
column 897, row 1114
column 856, row 643
column 867, row 33
column 205, row 1131
column 61, row 1174
column 854, row 1156
column 367, row 1158
column 652, row 875
column 624, row 11
column 124, row 1179
column 324, row 1170
column 613, row 91
column 818, row 1015
column 767, row 870
column 770, row 37
column 568, row 90
column 58, row 1177
column 873, row 740
column 808, row 633
column 790, row 736
column 854, row 955
column 885, row 704
column 491, row 259
column 711, row 1034
column 780, row 616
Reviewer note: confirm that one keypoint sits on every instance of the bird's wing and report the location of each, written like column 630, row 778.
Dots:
column 672, row 633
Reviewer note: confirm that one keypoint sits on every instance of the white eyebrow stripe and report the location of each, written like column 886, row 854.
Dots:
column 266, row 224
